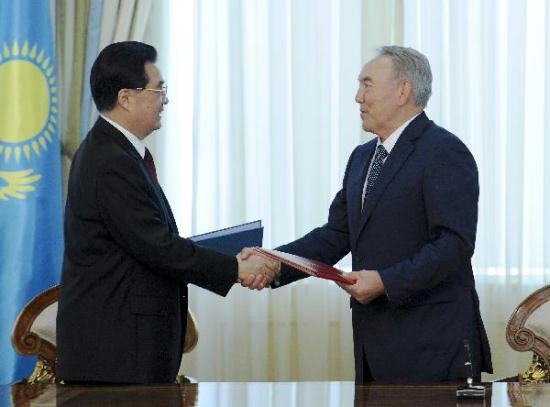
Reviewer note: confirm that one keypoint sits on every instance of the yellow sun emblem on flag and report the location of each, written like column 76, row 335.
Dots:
column 28, row 117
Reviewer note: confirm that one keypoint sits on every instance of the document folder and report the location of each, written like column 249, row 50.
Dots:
column 312, row 267
column 233, row 239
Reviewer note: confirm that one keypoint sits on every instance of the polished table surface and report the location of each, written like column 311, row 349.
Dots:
column 271, row 394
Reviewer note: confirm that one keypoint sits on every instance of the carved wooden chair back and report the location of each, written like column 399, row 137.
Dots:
column 34, row 333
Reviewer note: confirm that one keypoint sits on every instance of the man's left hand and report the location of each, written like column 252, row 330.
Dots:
column 368, row 285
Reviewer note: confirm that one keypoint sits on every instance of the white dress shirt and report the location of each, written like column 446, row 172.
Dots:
column 134, row 140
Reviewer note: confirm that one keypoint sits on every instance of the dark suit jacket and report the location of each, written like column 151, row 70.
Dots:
column 123, row 300
column 418, row 230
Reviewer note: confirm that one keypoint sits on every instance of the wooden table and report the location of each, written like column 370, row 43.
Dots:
column 270, row 394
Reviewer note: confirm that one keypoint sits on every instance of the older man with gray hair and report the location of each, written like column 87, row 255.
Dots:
column 407, row 211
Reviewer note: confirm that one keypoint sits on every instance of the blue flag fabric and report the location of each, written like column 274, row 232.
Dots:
column 31, row 241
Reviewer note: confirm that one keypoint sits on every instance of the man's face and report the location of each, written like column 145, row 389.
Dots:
column 378, row 95
column 149, row 104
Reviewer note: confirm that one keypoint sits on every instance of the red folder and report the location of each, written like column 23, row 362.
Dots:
column 312, row 267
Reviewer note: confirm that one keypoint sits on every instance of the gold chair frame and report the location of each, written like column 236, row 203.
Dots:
column 523, row 339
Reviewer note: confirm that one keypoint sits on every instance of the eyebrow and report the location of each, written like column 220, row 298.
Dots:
column 364, row 79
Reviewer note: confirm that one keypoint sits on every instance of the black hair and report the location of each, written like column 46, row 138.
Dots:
column 119, row 66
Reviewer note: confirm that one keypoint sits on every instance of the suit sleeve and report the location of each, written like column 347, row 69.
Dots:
column 328, row 243
column 135, row 221
column 451, row 191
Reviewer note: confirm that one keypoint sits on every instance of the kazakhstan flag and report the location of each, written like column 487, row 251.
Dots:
column 31, row 240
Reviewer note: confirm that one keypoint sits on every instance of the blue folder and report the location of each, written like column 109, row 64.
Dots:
column 232, row 240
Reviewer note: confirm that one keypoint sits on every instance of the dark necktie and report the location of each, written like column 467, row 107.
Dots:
column 375, row 170
column 150, row 164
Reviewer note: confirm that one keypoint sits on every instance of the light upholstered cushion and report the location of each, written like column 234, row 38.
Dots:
column 44, row 324
column 539, row 321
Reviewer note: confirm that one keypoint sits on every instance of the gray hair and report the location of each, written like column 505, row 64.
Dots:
column 413, row 66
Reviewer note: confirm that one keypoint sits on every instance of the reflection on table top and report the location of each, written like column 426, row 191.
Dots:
column 271, row 394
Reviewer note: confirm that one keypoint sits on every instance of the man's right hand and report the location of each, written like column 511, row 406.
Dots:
column 256, row 272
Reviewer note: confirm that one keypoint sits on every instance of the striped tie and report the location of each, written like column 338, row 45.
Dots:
column 375, row 170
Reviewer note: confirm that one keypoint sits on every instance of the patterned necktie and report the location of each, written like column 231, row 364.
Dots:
column 150, row 164
column 375, row 170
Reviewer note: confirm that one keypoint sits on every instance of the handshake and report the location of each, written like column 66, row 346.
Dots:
column 256, row 272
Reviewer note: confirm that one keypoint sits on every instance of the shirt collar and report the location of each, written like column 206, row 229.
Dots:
column 389, row 143
column 134, row 140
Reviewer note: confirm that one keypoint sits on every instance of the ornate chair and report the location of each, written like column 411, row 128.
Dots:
column 529, row 330
column 34, row 334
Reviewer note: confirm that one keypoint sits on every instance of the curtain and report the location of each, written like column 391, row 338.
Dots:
column 274, row 121
column 490, row 62
column 83, row 28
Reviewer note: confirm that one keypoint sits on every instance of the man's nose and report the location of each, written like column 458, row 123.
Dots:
column 359, row 96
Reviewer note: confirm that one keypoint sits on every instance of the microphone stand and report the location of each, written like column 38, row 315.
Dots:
column 469, row 391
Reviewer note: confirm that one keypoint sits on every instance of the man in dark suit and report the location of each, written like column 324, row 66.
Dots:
column 123, row 301
column 407, row 211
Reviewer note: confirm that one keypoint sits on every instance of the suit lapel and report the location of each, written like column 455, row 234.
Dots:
column 119, row 138
column 401, row 151
column 357, row 182
column 171, row 219
column 161, row 198
column 395, row 160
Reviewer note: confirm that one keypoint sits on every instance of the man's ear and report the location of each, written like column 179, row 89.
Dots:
column 405, row 92
column 124, row 99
